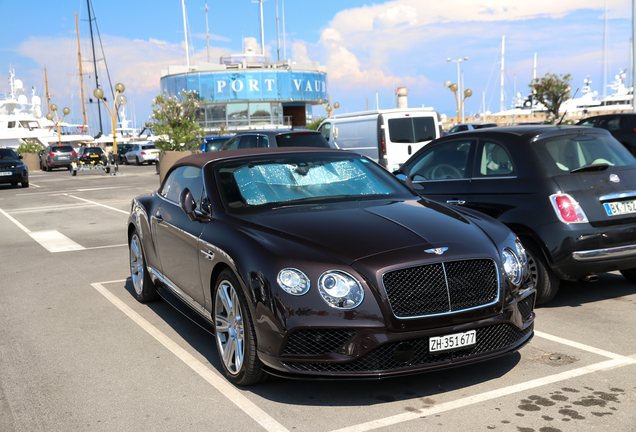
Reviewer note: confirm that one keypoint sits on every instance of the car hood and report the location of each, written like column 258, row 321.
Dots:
column 353, row 231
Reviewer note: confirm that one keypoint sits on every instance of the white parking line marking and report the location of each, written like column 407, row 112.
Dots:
column 582, row 346
column 105, row 247
column 212, row 377
column 96, row 203
column 55, row 241
column 483, row 397
column 18, row 224
column 53, row 193
column 51, row 208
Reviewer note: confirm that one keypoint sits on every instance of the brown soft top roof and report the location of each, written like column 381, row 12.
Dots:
column 201, row 159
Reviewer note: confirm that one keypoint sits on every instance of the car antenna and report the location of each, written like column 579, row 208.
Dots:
column 566, row 111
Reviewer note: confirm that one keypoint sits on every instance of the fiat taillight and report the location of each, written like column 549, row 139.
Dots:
column 567, row 209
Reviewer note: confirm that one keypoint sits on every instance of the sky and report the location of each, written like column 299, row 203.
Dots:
column 368, row 48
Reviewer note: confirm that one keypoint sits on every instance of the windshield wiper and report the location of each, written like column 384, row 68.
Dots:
column 595, row 167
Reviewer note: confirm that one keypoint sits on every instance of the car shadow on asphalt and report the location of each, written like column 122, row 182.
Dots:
column 312, row 392
column 574, row 294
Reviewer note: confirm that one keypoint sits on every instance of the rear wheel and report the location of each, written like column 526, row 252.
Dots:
column 144, row 288
column 234, row 332
column 544, row 279
column 48, row 168
column 137, row 161
column 25, row 184
column 630, row 274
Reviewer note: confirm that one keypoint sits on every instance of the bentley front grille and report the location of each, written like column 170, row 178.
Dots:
column 441, row 287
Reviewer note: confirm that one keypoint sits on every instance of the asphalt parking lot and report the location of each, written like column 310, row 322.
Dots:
column 78, row 352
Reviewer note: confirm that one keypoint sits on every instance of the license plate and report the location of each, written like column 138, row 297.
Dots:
column 62, row 157
column 453, row 341
column 620, row 208
column 5, row 173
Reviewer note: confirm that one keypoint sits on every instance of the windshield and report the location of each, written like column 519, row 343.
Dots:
column 567, row 153
column 301, row 139
column 8, row 154
column 293, row 179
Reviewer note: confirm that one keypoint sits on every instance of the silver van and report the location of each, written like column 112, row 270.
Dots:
column 389, row 137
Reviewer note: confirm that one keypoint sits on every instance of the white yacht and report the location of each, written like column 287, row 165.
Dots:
column 21, row 120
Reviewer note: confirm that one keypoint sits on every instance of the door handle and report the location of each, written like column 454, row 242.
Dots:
column 456, row 201
column 158, row 217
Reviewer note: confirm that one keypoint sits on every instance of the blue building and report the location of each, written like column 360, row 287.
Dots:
column 245, row 91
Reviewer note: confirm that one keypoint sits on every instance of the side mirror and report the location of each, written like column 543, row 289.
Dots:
column 21, row 157
column 187, row 203
column 400, row 176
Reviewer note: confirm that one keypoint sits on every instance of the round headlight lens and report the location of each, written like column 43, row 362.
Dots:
column 512, row 266
column 340, row 290
column 293, row 281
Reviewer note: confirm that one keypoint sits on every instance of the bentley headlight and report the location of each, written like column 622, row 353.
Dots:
column 293, row 281
column 340, row 290
column 512, row 266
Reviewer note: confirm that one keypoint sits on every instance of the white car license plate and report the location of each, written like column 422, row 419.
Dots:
column 453, row 341
column 5, row 173
column 620, row 208
column 62, row 157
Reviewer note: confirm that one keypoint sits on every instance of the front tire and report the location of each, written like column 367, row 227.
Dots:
column 145, row 290
column 544, row 279
column 234, row 332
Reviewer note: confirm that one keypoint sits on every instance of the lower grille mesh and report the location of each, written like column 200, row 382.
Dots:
column 381, row 359
column 317, row 341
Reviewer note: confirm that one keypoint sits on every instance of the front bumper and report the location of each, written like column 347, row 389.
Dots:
column 16, row 176
column 375, row 352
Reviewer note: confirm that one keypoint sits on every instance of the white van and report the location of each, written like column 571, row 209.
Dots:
column 389, row 137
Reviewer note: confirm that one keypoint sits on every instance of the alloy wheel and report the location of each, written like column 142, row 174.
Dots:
column 228, row 319
column 136, row 264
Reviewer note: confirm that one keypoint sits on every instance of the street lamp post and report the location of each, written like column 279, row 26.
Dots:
column 49, row 117
column 328, row 107
column 454, row 87
column 119, row 101
column 459, row 80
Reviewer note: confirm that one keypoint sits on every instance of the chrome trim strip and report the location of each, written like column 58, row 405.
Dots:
column 438, row 180
column 619, row 195
column 620, row 252
column 183, row 296
column 495, row 301
column 493, row 178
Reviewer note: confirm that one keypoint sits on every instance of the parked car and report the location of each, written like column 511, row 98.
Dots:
column 141, row 153
column 122, row 149
column 621, row 126
column 214, row 143
column 276, row 138
column 12, row 169
column 91, row 155
column 461, row 127
column 568, row 192
column 57, row 156
column 389, row 137
column 319, row 262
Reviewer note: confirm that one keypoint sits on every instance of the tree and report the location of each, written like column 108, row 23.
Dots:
column 551, row 90
column 314, row 124
column 174, row 118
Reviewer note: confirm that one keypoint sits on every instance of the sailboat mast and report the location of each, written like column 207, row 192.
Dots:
column 503, row 51
column 185, row 32
column 79, row 56
column 277, row 34
column 90, row 24
column 48, row 97
column 262, row 31
column 605, row 52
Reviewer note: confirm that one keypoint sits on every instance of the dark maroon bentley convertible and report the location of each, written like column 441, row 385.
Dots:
column 318, row 262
